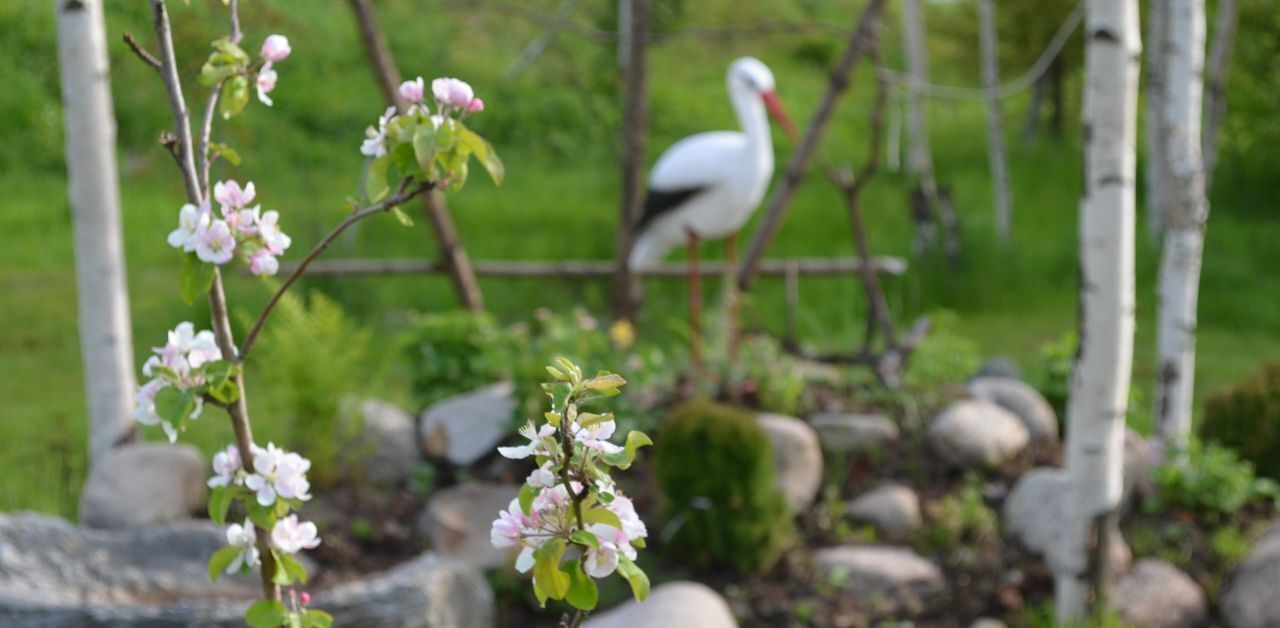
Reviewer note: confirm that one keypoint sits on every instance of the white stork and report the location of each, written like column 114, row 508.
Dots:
column 707, row 185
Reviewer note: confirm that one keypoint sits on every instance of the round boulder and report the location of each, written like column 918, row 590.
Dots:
column 854, row 433
column 797, row 458
column 1250, row 600
column 893, row 508
column 895, row 578
column 1000, row 366
column 672, row 605
column 385, row 451
column 1023, row 401
column 1157, row 595
column 465, row 428
column 979, row 434
column 1033, row 516
column 140, row 484
column 457, row 520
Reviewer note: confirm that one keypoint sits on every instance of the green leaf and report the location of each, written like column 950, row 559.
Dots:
column 606, row 384
column 582, row 537
column 266, row 614
column 424, row 146
column 559, row 393
column 375, row 181
column 214, row 71
column 602, row 515
column 587, row 419
column 235, row 95
column 446, row 135
column 527, row 495
column 540, row 594
column 194, row 277
column 226, row 392
column 624, row 458
column 484, row 153
column 220, row 499
column 546, row 569
column 317, row 619
column 262, row 516
column 226, row 152
column 174, row 405
column 288, row 569
column 582, row 594
column 402, row 217
column 220, row 560
column 635, row 576
column 233, row 52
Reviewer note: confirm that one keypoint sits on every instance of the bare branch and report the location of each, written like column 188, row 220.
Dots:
column 142, row 53
column 234, row 9
column 206, row 129
column 177, row 104
column 403, row 193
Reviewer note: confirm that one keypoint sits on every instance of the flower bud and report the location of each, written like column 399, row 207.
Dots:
column 412, row 91
column 276, row 48
column 475, row 106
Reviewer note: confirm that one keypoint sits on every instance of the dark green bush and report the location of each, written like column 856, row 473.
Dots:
column 715, row 467
column 1210, row 479
column 456, row 352
column 1246, row 417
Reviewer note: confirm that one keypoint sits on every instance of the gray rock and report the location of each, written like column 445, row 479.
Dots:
column 144, row 483
column 465, row 428
column 672, row 605
column 1250, row 600
column 1000, row 366
column 892, row 508
column 54, row 575
column 1033, row 516
column 797, row 458
column 1023, row 401
column 977, row 434
column 987, row 622
column 385, row 451
column 1141, row 456
column 1157, row 595
column 854, row 433
column 457, row 519
column 887, row 578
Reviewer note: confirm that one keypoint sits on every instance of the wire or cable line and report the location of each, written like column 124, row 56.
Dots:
column 1027, row 79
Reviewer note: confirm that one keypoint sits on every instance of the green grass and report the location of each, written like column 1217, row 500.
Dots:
column 555, row 126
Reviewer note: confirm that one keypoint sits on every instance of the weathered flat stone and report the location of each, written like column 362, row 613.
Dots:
column 457, row 520
column 465, row 428
column 1251, row 599
column 672, row 605
column 1158, row 595
column 883, row 577
column 797, row 458
column 386, row 451
column 893, row 508
column 978, row 434
column 854, row 433
column 1024, row 402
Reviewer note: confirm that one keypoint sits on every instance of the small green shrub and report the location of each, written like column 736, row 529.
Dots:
column 1050, row 373
column 455, row 352
column 318, row 356
column 1209, row 479
column 961, row 519
column 943, row 357
column 779, row 386
column 715, row 467
column 1246, row 417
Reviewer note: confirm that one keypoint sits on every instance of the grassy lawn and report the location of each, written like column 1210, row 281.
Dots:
column 558, row 202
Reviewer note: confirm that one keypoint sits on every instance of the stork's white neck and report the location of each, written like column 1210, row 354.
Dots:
column 751, row 115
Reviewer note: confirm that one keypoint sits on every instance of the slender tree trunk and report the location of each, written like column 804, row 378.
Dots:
column 1155, row 165
column 1224, row 37
column 434, row 206
column 633, row 18
column 1057, row 97
column 1184, row 234
column 1100, row 381
column 106, row 339
column 995, row 127
column 919, row 156
column 1033, row 112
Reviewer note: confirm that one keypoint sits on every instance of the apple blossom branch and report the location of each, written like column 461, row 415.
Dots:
column 141, row 52
column 405, row 192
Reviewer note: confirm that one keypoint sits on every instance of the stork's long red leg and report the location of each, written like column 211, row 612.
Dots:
column 731, row 284
column 695, row 308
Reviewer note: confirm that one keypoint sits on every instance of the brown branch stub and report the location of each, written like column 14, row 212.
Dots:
column 141, row 52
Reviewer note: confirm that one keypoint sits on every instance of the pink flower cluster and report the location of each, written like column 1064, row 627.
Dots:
column 275, row 473
column 451, row 96
column 255, row 234
column 274, row 50
column 174, row 365
column 550, row 517
column 288, row 535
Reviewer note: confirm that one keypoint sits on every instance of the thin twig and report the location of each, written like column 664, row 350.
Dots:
column 177, row 104
column 206, row 129
column 142, row 53
column 403, row 193
column 234, row 9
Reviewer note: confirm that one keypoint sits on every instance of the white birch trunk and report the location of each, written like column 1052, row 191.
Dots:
column 995, row 127
column 1153, row 117
column 106, row 340
column 919, row 157
column 1100, row 381
column 1184, row 233
column 1224, row 37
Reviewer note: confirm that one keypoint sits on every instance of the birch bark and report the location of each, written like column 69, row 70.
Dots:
column 919, row 156
column 1153, row 117
column 1184, row 233
column 995, row 127
column 1100, row 382
column 1215, row 78
column 106, row 339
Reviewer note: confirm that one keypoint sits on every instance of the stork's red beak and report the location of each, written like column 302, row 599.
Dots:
column 774, row 105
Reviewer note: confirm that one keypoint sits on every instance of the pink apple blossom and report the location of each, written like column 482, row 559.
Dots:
column 276, row 48
column 263, row 263
column 412, row 91
column 266, row 83
column 215, row 244
column 226, row 466
column 268, row 226
column 290, row 536
column 245, row 538
column 475, row 106
column 375, row 142
column 540, row 442
column 597, row 437
column 144, row 402
column 278, row 473
column 451, row 92
column 198, row 348
column 191, row 220
column 231, row 196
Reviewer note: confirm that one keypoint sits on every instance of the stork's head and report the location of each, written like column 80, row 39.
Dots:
column 750, row 75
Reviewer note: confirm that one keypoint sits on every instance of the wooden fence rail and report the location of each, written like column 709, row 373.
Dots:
column 597, row 269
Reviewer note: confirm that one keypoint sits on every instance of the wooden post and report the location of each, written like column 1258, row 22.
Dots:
column 452, row 254
column 859, row 41
column 634, row 15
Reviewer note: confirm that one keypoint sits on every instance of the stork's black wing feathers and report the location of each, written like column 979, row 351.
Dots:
column 659, row 202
